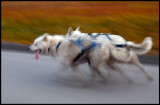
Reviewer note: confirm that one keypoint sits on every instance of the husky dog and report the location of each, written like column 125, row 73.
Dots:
column 72, row 54
column 111, row 53
column 64, row 49
column 69, row 54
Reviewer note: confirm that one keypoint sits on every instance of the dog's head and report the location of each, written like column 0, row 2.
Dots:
column 41, row 44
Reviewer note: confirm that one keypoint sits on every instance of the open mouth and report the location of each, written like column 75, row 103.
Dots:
column 37, row 53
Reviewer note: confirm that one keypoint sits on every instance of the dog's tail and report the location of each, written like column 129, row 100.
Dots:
column 142, row 48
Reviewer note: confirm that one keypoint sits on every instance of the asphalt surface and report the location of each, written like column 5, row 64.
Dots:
column 26, row 80
column 148, row 59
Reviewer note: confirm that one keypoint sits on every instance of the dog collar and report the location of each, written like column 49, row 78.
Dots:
column 59, row 43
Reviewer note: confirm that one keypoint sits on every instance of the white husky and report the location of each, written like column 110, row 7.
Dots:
column 58, row 46
column 111, row 53
column 68, row 52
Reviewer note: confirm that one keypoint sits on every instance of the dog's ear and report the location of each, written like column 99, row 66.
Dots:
column 45, row 35
column 45, row 38
column 78, row 28
column 70, row 30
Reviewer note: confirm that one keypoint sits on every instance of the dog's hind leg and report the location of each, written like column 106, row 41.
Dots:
column 116, row 68
column 136, row 62
column 125, row 75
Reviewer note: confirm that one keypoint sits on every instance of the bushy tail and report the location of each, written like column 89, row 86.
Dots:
column 142, row 48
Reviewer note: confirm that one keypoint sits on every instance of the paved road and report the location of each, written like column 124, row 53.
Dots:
column 26, row 80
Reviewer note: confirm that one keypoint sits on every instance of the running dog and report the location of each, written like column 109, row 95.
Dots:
column 65, row 49
column 115, row 49
column 73, row 52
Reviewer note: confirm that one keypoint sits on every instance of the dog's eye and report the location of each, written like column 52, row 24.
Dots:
column 36, row 44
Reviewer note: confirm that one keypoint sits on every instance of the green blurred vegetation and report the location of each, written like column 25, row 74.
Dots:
column 23, row 21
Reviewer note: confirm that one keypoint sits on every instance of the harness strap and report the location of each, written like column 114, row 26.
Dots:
column 59, row 43
column 93, row 45
column 80, row 54
column 108, row 37
column 94, row 35
column 120, row 45
column 78, row 43
column 107, row 34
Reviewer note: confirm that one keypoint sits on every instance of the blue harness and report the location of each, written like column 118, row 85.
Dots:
column 59, row 43
column 107, row 35
column 79, row 44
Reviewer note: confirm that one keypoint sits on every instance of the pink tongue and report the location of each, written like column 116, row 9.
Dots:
column 37, row 54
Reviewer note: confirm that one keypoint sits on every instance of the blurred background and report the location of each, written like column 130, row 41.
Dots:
column 28, row 81
column 23, row 21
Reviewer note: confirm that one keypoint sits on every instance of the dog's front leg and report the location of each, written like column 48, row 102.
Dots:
column 95, row 69
column 64, row 67
column 79, row 74
column 93, row 74
column 118, row 69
